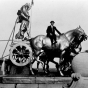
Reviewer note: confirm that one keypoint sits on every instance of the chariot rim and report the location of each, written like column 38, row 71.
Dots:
column 21, row 54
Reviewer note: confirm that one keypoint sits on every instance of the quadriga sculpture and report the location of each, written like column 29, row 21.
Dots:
column 27, row 52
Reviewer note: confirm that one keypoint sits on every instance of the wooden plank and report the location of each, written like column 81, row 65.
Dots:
column 30, row 80
column 36, row 80
column 63, row 79
column 45, row 80
column 53, row 80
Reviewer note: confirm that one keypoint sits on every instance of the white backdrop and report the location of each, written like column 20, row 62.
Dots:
column 67, row 14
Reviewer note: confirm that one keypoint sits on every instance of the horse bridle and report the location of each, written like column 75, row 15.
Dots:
column 70, row 42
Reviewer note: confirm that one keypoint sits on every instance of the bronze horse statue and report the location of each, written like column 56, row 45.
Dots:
column 65, row 65
column 42, row 43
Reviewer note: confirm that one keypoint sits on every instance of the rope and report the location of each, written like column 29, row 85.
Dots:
column 14, row 29
column 7, row 44
column 3, row 64
column 5, row 56
column 9, row 38
column 30, row 23
column 6, row 40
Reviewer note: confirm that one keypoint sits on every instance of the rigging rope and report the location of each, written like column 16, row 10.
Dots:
column 9, row 38
column 30, row 20
column 14, row 29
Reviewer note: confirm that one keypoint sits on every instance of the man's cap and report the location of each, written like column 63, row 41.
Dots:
column 52, row 22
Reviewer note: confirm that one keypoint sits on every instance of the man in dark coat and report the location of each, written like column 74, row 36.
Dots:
column 51, row 32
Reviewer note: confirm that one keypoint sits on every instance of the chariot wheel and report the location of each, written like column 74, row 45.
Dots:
column 21, row 54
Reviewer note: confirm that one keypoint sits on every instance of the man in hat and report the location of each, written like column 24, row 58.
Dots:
column 23, row 18
column 51, row 32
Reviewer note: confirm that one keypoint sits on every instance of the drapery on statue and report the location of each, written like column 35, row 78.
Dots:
column 23, row 18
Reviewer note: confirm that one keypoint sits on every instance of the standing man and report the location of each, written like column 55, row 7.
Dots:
column 51, row 32
column 23, row 18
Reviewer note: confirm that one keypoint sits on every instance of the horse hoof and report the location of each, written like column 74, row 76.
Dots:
column 61, row 74
column 45, row 72
column 32, row 73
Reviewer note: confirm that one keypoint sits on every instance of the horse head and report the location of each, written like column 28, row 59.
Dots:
column 82, row 36
column 76, row 36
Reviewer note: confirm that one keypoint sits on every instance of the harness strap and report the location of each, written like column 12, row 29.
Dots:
column 67, row 39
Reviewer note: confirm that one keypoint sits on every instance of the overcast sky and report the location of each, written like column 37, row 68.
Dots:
column 67, row 14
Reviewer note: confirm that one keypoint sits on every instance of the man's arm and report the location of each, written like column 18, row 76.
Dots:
column 32, row 3
column 57, row 31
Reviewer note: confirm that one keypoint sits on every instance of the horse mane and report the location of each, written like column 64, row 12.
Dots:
column 74, row 31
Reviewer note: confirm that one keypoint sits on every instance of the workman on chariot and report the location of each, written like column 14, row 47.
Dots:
column 51, row 32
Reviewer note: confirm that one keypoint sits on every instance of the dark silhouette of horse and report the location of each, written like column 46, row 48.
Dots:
column 65, row 66
column 69, row 40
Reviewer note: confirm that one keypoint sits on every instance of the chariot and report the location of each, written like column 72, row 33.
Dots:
column 19, row 58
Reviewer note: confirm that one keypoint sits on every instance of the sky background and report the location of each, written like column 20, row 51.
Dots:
column 67, row 14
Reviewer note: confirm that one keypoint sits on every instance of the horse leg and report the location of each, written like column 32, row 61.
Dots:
column 38, row 62
column 61, row 62
column 58, row 68
column 44, row 67
column 57, row 65
column 30, row 65
column 31, row 69
column 38, row 66
column 47, row 67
